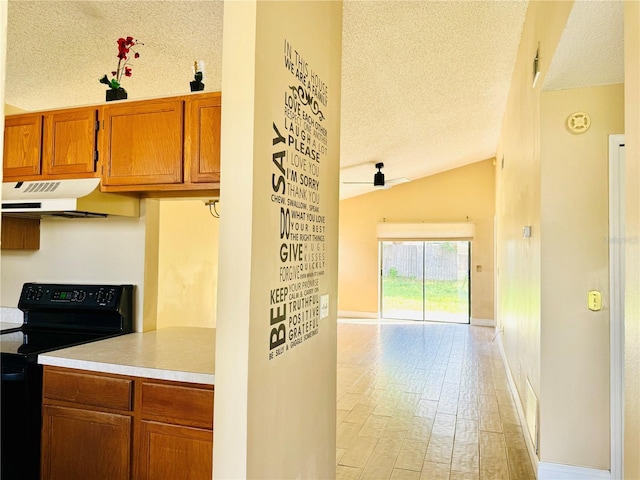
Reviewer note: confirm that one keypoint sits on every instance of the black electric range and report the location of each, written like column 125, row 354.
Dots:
column 55, row 316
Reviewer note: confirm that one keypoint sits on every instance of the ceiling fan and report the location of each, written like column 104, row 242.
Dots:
column 379, row 180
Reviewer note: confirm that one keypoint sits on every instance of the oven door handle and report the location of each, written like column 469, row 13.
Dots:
column 13, row 376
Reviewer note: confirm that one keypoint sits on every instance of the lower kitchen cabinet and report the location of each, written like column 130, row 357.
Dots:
column 174, row 434
column 79, row 444
column 168, row 452
column 112, row 427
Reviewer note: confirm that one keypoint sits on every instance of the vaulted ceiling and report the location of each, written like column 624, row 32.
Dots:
column 424, row 83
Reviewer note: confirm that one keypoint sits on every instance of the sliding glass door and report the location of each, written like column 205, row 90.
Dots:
column 402, row 280
column 425, row 280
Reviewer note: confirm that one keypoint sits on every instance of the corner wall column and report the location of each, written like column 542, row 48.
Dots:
column 277, row 285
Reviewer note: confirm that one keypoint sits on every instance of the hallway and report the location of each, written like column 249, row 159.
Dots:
column 425, row 401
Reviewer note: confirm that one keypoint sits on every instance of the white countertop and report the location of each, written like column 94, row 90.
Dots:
column 10, row 317
column 7, row 325
column 184, row 354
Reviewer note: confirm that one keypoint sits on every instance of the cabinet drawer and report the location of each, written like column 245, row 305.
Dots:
column 88, row 389
column 179, row 404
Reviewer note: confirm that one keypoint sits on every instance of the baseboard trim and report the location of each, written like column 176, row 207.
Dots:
column 557, row 471
column 482, row 322
column 516, row 398
column 356, row 314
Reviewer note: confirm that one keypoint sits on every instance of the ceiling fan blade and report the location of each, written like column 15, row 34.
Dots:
column 379, row 180
column 396, row 181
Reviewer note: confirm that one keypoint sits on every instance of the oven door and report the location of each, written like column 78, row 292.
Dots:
column 21, row 419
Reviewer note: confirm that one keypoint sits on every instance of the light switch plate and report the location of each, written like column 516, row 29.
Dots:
column 594, row 300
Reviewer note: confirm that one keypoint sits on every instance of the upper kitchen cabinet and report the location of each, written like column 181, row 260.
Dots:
column 50, row 145
column 142, row 144
column 163, row 146
column 69, row 143
column 158, row 147
column 202, row 138
column 22, row 146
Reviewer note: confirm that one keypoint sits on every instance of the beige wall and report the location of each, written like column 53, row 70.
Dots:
column 82, row 250
column 453, row 196
column 518, row 198
column 188, row 264
column 574, row 260
column 10, row 109
column 557, row 183
column 180, row 264
column 275, row 408
column 632, row 245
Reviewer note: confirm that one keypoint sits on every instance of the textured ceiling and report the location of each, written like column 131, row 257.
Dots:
column 57, row 50
column 424, row 84
column 591, row 50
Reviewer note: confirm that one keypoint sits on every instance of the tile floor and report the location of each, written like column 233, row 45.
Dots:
column 425, row 401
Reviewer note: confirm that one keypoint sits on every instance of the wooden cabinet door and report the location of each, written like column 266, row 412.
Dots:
column 81, row 444
column 202, row 138
column 69, row 143
column 22, row 147
column 19, row 233
column 142, row 142
column 172, row 452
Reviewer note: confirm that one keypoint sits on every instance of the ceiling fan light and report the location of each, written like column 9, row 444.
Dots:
column 378, row 179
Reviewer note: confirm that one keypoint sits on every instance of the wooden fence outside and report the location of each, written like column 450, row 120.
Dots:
column 445, row 261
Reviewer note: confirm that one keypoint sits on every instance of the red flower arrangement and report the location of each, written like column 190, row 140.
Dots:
column 125, row 48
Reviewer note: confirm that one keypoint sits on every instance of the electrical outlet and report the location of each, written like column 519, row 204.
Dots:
column 324, row 306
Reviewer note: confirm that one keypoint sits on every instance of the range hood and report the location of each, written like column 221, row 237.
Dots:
column 76, row 198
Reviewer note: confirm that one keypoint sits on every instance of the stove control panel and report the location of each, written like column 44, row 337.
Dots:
column 71, row 296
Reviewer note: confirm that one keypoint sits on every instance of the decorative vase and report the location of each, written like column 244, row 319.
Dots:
column 196, row 86
column 116, row 94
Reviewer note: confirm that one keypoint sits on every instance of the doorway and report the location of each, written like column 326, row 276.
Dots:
column 425, row 280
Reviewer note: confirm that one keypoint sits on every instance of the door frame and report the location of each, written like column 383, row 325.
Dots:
column 616, row 291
